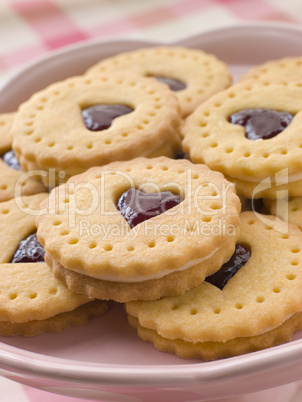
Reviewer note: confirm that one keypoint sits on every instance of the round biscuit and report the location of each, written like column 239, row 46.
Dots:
column 203, row 73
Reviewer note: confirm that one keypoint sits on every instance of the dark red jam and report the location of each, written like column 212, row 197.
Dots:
column 137, row 206
column 29, row 250
column 10, row 159
column 100, row 117
column 228, row 270
column 181, row 155
column 175, row 85
column 261, row 123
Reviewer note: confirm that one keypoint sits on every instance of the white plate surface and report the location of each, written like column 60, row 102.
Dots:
column 105, row 360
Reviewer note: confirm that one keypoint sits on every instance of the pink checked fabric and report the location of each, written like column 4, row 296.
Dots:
column 31, row 28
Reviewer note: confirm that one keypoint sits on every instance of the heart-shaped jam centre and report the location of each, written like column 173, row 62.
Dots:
column 29, row 250
column 228, row 270
column 137, row 206
column 100, row 117
column 261, row 123
column 175, row 85
column 10, row 159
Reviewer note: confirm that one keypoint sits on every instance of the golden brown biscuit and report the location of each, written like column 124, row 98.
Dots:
column 13, row 180
column 194, row 74
column 255, row 164
column 173, row 284
column 287, row 209
column 84, row 232
column 287, row 67
column 32, row 300
column 50, row 129
column 260, row 306
column 214, row 350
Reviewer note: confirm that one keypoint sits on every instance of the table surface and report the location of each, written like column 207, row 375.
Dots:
column 31, row 28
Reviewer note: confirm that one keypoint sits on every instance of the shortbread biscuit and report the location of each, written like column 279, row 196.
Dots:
column 210, row 138
column 58, row 323
column 11, row 180
column 287, row 209
column 175, row 283
column 198, row 75
column 6, row 122
column 260, row 306
column 267, row 188
column 214, row 350
column 49, row 130
column 32, row 300
column 287, row 67
column 83, row 231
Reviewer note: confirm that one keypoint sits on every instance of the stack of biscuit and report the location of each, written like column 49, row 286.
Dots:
column 145, row 157
column 32, row 300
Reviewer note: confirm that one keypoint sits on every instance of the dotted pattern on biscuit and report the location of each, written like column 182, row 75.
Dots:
column 6, row 122
column 49, row 131
column 287, row 209
column 60, row 322
column 203, row 73
column 246, row 306
column 147, row 249
column 10, row 177
column 209, row 138
column 287, row 67
column 172, row 284
column 28, row 291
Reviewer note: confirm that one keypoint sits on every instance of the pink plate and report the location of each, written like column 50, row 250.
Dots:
column 105, row 360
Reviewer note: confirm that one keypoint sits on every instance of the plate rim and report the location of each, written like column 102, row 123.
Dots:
column 14, row 359
column 56, row 53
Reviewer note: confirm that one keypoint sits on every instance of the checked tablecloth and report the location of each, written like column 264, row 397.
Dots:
column 31, row 28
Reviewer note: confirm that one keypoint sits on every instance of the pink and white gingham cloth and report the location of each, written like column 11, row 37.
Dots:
column 31, row 28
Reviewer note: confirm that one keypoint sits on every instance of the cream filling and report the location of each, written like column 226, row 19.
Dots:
column 158, row 275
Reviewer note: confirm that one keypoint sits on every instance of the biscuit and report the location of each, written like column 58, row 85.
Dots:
column 259, row 307
column 288, row 67
column 267, row 189
column 194, row 74
column 211, row 138
column 6, row 122
column 58, row 323
column 175, row 283
column 287, row 209
column 85, row 234
column 50, row 129
column 32, row 300
column 9, row 177
column 208, row 351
